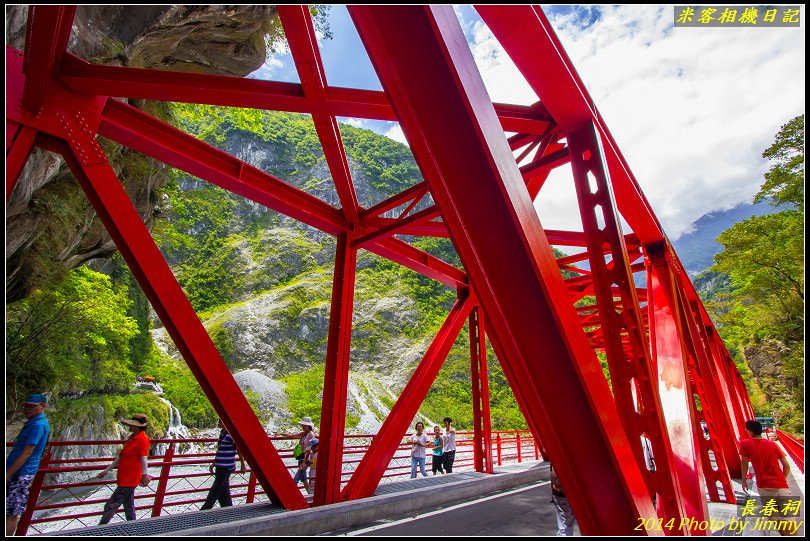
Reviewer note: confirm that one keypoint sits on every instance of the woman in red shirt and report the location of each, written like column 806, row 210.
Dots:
column 132, row 469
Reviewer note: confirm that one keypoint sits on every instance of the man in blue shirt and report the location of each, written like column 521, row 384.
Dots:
column 23, row 461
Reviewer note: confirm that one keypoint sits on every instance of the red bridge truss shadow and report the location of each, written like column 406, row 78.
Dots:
column 662, row 349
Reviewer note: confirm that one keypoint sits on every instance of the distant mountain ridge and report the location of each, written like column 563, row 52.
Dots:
column 696, row 250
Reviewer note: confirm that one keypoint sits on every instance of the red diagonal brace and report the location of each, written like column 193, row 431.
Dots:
column 139, row 131
column 300, row 34
column 365, row 479
column 423, row 61
column 396, row 226
column 19, row 147
column 167, row 298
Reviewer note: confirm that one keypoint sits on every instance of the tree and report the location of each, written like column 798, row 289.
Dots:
column 763, row 258
column 71, row 338
column 784, row 181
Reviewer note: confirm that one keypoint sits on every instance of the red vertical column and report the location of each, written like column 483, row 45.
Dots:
column 336, row 376
column 674, row 389
column 482, row 430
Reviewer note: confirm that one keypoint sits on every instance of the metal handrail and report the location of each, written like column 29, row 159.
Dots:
column 793, row 446
column 47, row 498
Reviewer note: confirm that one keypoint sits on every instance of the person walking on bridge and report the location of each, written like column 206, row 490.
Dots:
column 133, row 470
column 225, row 464
column 766, row 456
column 23, row 461
column 565, row 516
column 306, row 436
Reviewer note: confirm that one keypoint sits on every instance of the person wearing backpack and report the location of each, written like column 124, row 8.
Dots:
column 300, row 451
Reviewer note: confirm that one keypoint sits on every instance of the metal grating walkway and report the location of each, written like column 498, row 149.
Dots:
column 184, row 521
column 217, row 516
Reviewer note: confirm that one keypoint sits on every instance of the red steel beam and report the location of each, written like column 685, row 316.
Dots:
column 482, row 427
column 336, row 376
column 674, row 389
column 397, row 226
column 18, row 148
column 423, row 61
column 139, row 131
column 365, row 479
column 46, row 37
column 530, row 41
column 122, row 221
column 300, row 33
column 714, row 401
column 124, row 82
column 631, row 373
column 417, row 260
column 409, row 194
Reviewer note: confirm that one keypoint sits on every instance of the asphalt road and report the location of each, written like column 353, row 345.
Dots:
column 528, row 512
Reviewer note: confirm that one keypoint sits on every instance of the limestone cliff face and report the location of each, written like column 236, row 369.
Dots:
column 50, row 225
column 768, row 360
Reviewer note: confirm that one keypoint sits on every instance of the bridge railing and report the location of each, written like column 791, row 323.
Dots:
column 793, row 446
column 65, row 493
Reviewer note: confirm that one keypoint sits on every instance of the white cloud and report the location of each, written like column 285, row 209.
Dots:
column 692, row 109
column 272, row 65
column 356, row 122
column 396, row 134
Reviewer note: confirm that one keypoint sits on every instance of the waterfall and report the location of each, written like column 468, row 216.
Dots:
column 176, row 430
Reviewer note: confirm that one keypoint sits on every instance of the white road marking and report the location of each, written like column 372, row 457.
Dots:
column 444, row 510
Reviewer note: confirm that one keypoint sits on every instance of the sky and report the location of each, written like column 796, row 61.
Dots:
column 692, row 109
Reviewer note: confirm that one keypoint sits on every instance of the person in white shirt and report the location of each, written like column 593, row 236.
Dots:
column 449, row 449
column 420, row 444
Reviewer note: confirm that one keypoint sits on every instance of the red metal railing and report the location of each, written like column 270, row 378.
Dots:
column 794, row 447
column 65, row 493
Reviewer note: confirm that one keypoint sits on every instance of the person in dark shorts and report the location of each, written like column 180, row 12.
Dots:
column 23, row 461
column 438, row 459
column 449, row 448
column 225, row 465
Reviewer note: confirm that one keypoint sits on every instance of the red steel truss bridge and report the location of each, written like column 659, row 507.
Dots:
column 669, row 370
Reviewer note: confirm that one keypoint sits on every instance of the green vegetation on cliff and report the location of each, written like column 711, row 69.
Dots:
column 71, row 339
column 760, row 310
